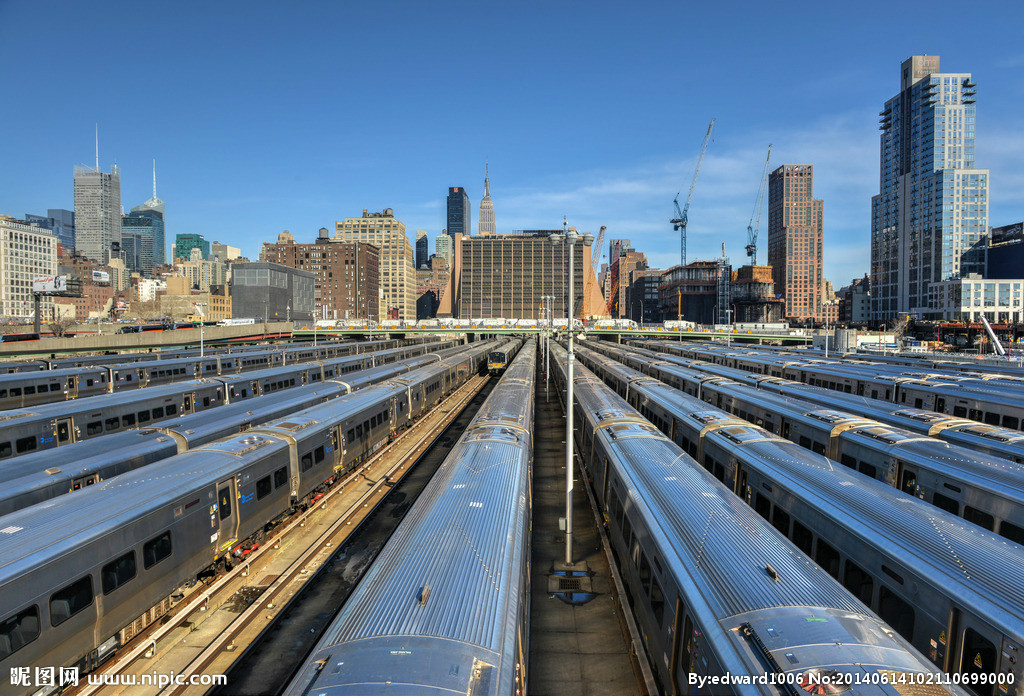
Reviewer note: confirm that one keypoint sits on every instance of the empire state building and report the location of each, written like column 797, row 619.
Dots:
column 485, row 224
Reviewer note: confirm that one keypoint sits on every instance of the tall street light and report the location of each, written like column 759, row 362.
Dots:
column 570, row 237
column 199, row 308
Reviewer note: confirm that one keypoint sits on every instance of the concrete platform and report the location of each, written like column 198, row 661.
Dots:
column 575, row 650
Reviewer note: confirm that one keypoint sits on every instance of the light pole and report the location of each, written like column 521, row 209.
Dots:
column 546, row 323
column 728, row 335
column 199, row 308
column 827, row 303
column 570, row 237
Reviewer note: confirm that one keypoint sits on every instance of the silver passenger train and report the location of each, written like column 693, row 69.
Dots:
column 57, row 424
column 717, row 591
column 982, row 401
column 955, row 591
column 445, row 606
column 981, row 488
column 126, row 545
column 36, row 477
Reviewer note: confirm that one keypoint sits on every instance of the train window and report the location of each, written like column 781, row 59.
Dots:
column 128, row 419
column 719, row 472
column 780, row 520
column 847, row 388
column 828, row 558
column 979, row 657
column 1011, row 422
column 975, row 414
column 627, row 530
column 686, row 647
column 263, row 488
column 158, row 412
column 94, row 428
column 25, row 444
column 318, row 454
column 18, row 631
column 156, row 550
column 959, row 411
column 118, row 572
column 68, row 601
column 143, row 416
column 206, row 402
column 644, row 571
column 30, row 390
column 802, row 537
column 895, row 612
column 908, row 481
column 940, row 405
column 992, row 418
column 657, row 602
column 874, row 393
column 224, row 498
column 847, row 460
column 946, row 503
column 818, row 448
column 762, row 505
column 858, row 582
column 867, row 469
column 307, row 462
column 281, row 477
column 979, row 517
column 359, row 431
column 113, row 423
column 172, row 409
column 892, row 574
column 88, row 382
column 350, row 436
column 805, row 442
column 54, row 387
column 5, row 449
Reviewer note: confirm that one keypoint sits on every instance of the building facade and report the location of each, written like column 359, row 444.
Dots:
column 422, row 249
column 26, row 252
column 505, row 276
column 185, row 243
column 224, row 253
column 485, row 221
column 969, row 298
column 347, row 284
column 59, row 221
column 271, row 292
column 443, row 246
column 855, row 302
column 97, row 211
column 795, row 239
column 932, row 204
column 753, row 296
column 643, row 295
column 201, row 273
column 694, row 292
column 459, row 216
column 147, row 226
column 397, row 260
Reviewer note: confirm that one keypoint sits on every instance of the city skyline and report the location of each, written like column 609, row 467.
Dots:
column 606, row 135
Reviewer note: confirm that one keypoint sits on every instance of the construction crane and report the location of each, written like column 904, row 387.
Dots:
column 755, row 217
column 595, row 259
column 679, row 221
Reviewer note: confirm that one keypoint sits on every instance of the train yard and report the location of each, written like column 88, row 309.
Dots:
column 361, row 517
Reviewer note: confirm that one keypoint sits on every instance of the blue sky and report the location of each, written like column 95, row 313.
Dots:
column 265, row 116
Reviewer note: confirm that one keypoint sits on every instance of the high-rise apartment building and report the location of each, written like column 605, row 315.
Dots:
column 97, row 211
column 459, row 219
column 224, row 253
column 422, row 249
column 485, row 221
column 795, row 236
column 202, row 273
column 347, row 283
column 932, row 205
column 185, row 243
column 397, row 259
column 443, row 246
column 26, row 252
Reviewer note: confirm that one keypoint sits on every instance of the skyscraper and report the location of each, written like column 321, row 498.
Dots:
column 147, row 221
column 185, row 243
column 422, row 249
column 443, row 246
column 459, row 219
column 932, row 204
column 97, row 211
column 795, row 236
column 485, row 222
column 59, row 221
column 397, row 259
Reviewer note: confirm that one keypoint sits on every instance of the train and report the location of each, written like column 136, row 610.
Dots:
column 57, row 424
column 36, row 477
column 499, row 359
column 451, row 587
column 717, row 591
column 127, row 544
column 980, row 400
column 982, row 488
column 954, row 590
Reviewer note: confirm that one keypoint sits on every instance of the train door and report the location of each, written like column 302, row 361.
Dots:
column 189, row 403
column 64, row 431
column 141, row 376
column 678, row 685
column 972, row 650
column 72, row 389
column 906, row 479
column 227, row 513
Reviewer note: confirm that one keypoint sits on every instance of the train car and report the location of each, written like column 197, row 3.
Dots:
column 36, row 477
column 750, row 603
column 500, row 358
column 73, row 598
column 981, row 488
column 431, row 598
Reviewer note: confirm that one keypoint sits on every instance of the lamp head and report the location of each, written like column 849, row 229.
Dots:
column 588, row 239
column 556, row 239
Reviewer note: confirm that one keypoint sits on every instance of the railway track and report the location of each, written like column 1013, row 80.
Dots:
column 212, row 626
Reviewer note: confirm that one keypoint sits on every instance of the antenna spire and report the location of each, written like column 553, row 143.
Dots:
column 154, row 178
column 97, row 147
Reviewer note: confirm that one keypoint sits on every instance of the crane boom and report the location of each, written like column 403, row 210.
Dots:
column 755, row 217
column 595, row 260
column 679, row 221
